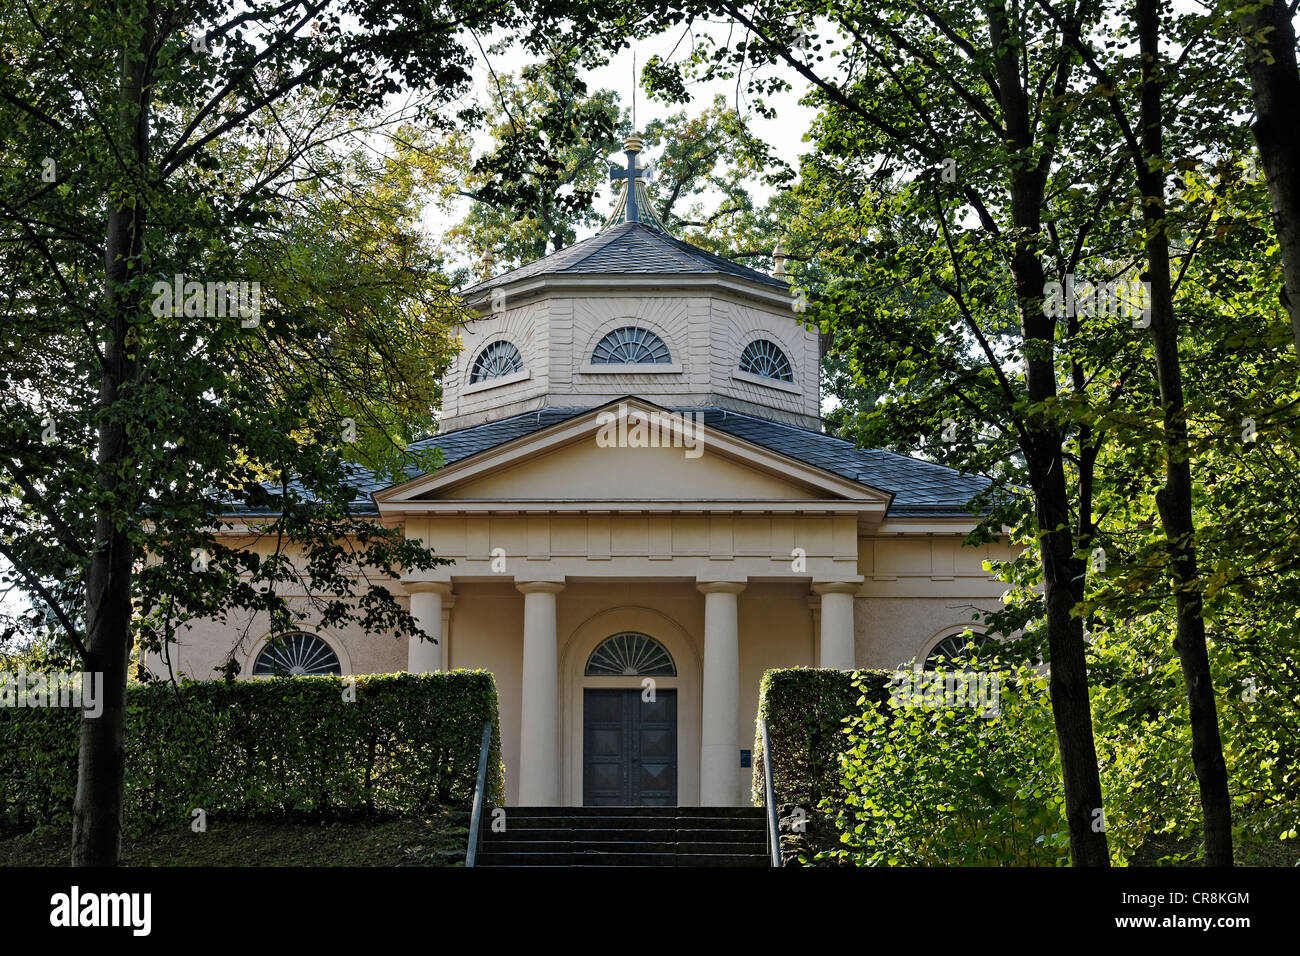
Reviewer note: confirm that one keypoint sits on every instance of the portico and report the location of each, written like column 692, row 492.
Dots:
column 719, row 636
column 730, row 527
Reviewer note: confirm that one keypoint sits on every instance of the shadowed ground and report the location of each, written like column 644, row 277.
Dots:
column 402, row 841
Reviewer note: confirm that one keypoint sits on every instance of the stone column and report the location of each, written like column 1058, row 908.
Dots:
column 424, row 656
column 448, row 602
column 719, row 718
column 539, row 739
column 837, row 624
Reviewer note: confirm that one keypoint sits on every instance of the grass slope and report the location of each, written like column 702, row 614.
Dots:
column 402, row 841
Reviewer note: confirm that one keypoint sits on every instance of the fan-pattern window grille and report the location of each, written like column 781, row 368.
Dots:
column 498, row 359
column 955, row 651
column 764, row 359
column 630, row 655
column 296, row 654
column 631, row 346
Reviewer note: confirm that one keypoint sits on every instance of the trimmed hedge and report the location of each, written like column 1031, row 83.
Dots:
column 805, row 709
column 405, row 743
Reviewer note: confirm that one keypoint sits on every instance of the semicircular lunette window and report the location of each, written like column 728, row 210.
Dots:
column 496, row 361
column 956, row 651
column 630, row 654
column 295, row 655
column 766, row 360
column 631, row 345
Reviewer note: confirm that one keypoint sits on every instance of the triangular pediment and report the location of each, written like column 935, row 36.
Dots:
column 632, row 450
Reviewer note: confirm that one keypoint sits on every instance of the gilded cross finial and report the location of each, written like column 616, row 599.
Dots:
column 631, row 147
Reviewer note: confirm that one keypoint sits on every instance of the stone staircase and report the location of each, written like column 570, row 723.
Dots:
column 626, row 836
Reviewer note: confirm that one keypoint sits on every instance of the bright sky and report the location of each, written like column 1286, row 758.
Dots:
column 785, row 133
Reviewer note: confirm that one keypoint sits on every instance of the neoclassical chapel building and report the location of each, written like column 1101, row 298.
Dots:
column 643, row 516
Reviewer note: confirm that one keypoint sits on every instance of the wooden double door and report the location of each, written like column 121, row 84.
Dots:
column 629, row 748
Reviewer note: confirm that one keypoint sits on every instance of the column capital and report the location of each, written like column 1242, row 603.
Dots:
column 428, row 587
column 539, row 587
column 836, row 587
column 720, row 587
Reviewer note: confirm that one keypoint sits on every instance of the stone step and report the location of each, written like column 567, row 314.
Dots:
column 626, row 859
column 624, row 823
column 743, row 813
column 624, row 834
column 514, row 847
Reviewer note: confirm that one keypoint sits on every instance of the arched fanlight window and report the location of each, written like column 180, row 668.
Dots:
column 955, row 651
column 630, row 655
column 631, row 346
column 766, row 360
column 295, row 654
column 497, row 360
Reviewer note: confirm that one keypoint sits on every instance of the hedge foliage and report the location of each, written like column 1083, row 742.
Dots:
column 876, row 776
column 806, row 709
column 941, row 783
column 386, row 743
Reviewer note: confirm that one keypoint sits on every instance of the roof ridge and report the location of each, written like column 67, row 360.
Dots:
column 609, row 235
column 701, row 251
column 685, row 246
column 683, row 255
column 464, row 428
column 606, row 234
column 854, row 445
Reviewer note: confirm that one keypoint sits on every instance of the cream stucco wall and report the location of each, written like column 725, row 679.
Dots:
column 918, row 588
column 585, row 468
column 705, row 332
column 203, row 646
column 528, row 328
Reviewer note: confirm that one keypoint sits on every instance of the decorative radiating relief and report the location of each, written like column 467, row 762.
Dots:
column 631, row 345
column 630, row 655
column 497, row 360
column 956, row 650
column 297, row 654
column 766, row 360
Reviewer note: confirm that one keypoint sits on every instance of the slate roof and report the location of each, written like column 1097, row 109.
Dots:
column 920, row 488
column 631, row 248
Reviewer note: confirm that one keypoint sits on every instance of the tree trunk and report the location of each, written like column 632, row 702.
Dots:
column 101, row 763
column 97, row 810
column 1276, row 89
column 1063, row 577
column 1174, row 500
column 1063, row 573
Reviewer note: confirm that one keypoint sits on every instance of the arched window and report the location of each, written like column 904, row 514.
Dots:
column 495, row 361
column 955, row 651
column 766, row 360
column 296, row 654
column 631, row 345
column 630, row 655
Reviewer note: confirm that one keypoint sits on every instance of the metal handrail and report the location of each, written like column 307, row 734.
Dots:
column 476, row 814
column 769, row 798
